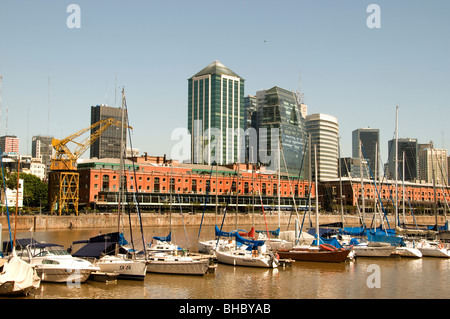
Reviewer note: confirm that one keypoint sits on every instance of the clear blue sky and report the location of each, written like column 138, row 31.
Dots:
column 347, row 70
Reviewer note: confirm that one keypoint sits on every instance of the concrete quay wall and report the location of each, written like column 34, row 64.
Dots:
column 106, row 220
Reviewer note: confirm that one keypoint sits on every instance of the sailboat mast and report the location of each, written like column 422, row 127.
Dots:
column 279, row 182
column 121, row 163
column 317, row 194
column 396, row 166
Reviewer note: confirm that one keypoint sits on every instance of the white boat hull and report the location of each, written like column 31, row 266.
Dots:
column 63, row 275
column 238, row 258
column 435, row 252
column 196, row 267
column 408, row 252
column 366, row 251
column 124, row 268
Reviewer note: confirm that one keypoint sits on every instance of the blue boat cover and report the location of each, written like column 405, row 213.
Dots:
column 220, row 233
column 167, row 238
column 249, row 242
column 101, row 245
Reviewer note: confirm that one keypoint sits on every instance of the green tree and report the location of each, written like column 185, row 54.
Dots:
column 35, row 191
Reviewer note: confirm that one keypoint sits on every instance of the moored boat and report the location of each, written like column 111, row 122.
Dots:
column 164, row 263
column 321, row 253
column 17, row 277
column 54, row 264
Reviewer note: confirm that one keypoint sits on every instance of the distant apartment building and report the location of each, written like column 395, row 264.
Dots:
column 9, row 144
column 324, row 130
column 433, row 165
column 41, row 148
column 108, row 144
column 216, row 115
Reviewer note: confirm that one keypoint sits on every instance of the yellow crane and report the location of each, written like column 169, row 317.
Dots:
column 63, row 178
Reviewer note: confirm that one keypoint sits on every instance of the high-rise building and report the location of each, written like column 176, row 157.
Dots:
column 108, row 144
column 409, row 148
column 41, row 148
column 216, row 115
column 370, row 150
column 279, row 123
column 9, row 144
column 324, row 130
column 433, row 165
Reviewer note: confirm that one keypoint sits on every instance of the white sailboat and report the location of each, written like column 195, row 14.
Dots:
column 250, row 254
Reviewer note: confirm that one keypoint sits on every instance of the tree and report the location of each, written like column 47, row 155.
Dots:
column 35, row 191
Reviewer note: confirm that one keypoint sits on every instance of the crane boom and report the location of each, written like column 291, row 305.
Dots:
column 64, row 159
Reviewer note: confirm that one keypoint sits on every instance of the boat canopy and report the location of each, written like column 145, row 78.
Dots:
column 101, row 245
column 167, row 238
column 21, row 243
column 248, row 242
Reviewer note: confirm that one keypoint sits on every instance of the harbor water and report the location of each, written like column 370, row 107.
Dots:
column 364, row 278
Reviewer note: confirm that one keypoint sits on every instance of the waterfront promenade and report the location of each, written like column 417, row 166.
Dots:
column 107, row 220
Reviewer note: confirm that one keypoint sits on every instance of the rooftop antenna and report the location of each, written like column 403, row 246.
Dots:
column 1, row 80
column 48, row 113
column 106, row 93
column 6, row 125
column 115, row 90
column 300, row 95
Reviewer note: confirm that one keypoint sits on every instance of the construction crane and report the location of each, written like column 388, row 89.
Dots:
column 63, row 178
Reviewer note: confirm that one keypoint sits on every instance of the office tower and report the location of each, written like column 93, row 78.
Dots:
column 108, row 144
column 216, row 115
column 433, row 165
column 324, row 130
column 9, row 144
column 370, row 150
column 41, row 148
column 278, row 120
column 408, row 147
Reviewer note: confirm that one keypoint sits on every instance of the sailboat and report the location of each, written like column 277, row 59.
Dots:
column 315, row 252
column 167, row 258
column 117, row 257
column 249, row 253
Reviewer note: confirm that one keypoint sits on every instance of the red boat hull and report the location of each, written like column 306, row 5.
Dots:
column 333, row 256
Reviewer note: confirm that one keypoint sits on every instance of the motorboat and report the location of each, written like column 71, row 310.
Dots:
column 54, row 264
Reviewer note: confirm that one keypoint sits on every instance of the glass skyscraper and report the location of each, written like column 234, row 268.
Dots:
column 279, row 122
column 216, row 115
column 108, row 144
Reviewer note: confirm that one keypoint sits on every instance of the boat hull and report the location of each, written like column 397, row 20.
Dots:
column 245, row 259
column 124, row 268
column 373, row 251
column 196, row 267
column 315, row 255
column 407, row 252
column 435, row 252
column 63, row 275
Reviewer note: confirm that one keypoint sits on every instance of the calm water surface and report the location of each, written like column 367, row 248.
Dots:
column 400, row 278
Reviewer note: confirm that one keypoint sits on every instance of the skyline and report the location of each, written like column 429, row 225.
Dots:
column 346, row 69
